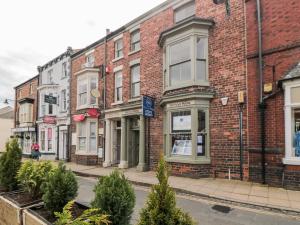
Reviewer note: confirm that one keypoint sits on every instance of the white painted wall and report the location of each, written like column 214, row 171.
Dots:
column 5, row 131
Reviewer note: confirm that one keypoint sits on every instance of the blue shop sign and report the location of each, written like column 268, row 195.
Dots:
column 148, row 106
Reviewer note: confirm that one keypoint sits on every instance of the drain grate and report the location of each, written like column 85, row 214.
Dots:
column 221, row 208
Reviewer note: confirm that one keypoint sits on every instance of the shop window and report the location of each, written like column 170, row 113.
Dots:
column 187, row 138
column 292, row 123
column 181, row 133
column 87, row 136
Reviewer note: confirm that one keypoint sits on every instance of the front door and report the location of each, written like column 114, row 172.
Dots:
column 63, row 147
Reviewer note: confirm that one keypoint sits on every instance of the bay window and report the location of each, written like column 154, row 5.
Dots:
column 85, row 84
column 26, row 113
column 87, row 136
column 186, row 135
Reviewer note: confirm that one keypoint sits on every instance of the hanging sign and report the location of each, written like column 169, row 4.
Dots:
column 49, row 120
column 50, row 99
column 148, row 106
column 93, row 113
column 78, row 118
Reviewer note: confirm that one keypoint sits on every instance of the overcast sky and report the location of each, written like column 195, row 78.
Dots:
column 32, row 32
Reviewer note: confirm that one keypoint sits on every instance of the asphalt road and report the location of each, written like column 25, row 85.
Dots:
column 201, row 210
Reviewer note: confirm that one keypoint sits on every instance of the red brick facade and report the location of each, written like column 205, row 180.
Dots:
column 281, row 51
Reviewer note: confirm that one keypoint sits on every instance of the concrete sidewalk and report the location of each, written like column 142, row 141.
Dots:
column 240, row 193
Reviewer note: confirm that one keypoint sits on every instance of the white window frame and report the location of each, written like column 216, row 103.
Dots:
column 87, row 78
column 119, row 50
column 116, row 88
column 87, row 150
column 288, row 108
column 134, row 83
column 50, row 76
column 191, row 35
column 26, row 113
column 46, row 129
column 133, row 43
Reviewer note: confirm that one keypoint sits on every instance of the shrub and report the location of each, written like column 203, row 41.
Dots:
column 32, row 175
column 90, row 216
column 161, row 205
column 10, row 163
column 115, row 196
column 60, row 188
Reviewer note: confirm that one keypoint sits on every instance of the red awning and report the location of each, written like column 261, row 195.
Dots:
column 93, row 113
column 79, row 118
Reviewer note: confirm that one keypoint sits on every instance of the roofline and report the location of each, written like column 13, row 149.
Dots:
column 153, row 11
column 67, row 53
column 33, row 78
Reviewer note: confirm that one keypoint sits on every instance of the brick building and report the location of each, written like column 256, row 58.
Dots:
column 25, row 128
column 188, row 56
column 281, row 71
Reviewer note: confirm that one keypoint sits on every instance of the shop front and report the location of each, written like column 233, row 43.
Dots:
column 26, row 137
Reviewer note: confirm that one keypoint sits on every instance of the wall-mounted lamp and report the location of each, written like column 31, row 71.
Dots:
column 224, row 101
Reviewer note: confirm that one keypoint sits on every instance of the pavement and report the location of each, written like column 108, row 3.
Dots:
column 203, row 212
column 234, row 192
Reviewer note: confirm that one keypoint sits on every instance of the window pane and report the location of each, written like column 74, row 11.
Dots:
column 83, row 99
column 181, row 144
column 93, row 86
column 135, row 74
column 82, row 88
column 135, row 36
column 201, row 121
column 185, row 12
column 82, row 129
column 93, row 129
column 82, row 143
column 93, row 144
column 201, row 70
column 201, row 136
column 181, row 121
column 136, row 89
column 180, row 52
column 180, row 73
column 118, row 79
column 295, row 95
column 201, row 43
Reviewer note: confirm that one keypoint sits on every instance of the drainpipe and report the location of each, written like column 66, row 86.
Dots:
column 262, row 105
column 104, row 92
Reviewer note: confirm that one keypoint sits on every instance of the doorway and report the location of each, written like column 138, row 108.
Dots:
column 116, row 147
column 63, row 147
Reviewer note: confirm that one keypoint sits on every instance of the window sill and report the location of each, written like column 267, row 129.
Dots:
column 184, row 85
column 47, row 153
column 86, row 153
column 117, row 59
column 117, row 103
column 87, row 107
column 291, row 161
column 135, row 99
column 133, row 52
column 178, row 159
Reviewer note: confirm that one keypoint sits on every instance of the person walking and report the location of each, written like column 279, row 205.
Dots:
column 35, row 151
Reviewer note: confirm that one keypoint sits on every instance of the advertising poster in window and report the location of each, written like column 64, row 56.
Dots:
column 182, row 147
column 182, row 123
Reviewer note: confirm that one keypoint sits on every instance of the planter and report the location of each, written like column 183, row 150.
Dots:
column 12, row 205
column 38, row 215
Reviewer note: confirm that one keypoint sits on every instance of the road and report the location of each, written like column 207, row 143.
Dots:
column 201, row 210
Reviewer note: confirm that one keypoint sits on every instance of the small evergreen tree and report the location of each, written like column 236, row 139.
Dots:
column 60, row 188
column 88, row 217
column 32, row 175
column 115, row 196
column 161, row 205
column 10, row 163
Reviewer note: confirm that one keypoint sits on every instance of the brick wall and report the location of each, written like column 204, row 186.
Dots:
column 25, row 93
column 281, row 37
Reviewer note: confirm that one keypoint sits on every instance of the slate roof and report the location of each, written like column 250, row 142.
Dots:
column 293, row 73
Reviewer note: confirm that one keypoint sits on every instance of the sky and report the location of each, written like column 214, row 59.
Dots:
column 32, row 32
